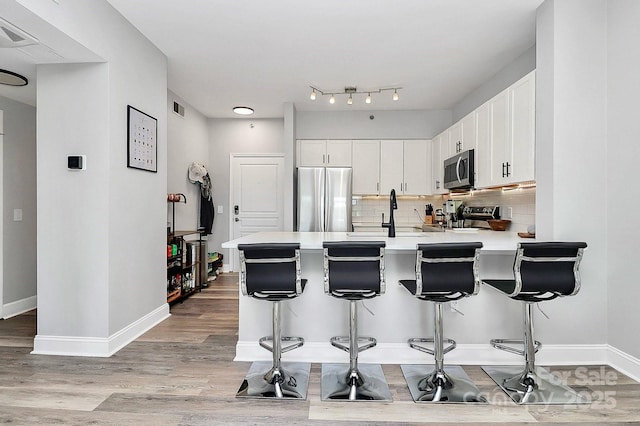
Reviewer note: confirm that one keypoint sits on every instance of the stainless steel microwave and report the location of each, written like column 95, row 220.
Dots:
column 458, row 171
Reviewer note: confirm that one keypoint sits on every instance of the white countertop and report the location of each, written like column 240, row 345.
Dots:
column 494, row 242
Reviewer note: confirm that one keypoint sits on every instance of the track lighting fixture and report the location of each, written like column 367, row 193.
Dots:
column 350, row 91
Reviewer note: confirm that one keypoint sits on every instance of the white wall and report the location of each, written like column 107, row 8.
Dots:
column 358, row 125
column 19, row 192
column 571, row 149
column 101, row 239
column 504, row 78
column 236, row 135
column 622, row 152
column 187, row 141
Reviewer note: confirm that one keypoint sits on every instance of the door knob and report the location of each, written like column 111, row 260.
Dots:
column 236, row 209
column 237, row 219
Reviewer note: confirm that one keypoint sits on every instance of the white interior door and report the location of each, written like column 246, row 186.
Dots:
column 257, row 196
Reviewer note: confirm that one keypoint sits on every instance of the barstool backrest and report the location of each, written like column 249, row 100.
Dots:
column 354, row 269
column 449, row 270
column 270, row 270
column 548, row 269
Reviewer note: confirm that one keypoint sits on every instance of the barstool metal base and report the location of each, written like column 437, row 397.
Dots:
column 262, row 381
column 540, row 388
column 454, row 386
column 366, row 383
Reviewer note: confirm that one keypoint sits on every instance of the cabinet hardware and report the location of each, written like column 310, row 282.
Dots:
column 328, row 158
column 323, row 156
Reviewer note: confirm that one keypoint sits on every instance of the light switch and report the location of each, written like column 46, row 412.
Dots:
column 220, row 209
column 17, row 215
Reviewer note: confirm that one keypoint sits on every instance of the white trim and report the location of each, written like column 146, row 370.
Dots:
column 401, row 353
column 99, row 346
column 624, row 363
column 19, row 307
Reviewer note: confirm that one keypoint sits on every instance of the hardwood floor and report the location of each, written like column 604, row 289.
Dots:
column 182, row 373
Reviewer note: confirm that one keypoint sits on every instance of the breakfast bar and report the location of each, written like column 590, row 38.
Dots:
column 396, row 315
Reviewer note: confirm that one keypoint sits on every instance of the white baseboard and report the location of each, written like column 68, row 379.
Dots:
column 624, row 363
column 19, row 307
column 99, row 346
column 396, row 353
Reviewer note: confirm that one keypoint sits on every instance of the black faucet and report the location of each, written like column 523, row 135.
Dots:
column 393, row 205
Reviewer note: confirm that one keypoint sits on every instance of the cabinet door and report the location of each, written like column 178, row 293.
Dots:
column 338, row 153
column 455, row 138
column 415, row 168
column 440, row 152
column 522, row 128
column 483, row 165
column 391, row 166
column 468, row 131
column 312, row 153
column 499, row 136
column 366, row 167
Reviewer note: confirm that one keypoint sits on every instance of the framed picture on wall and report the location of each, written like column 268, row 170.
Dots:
column 142, row 140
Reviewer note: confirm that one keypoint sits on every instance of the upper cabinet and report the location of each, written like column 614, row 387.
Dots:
column 366, row 167
column 439, row 152
column 404, row 166
column 382, row 165
column 462, row 135
column 506, row 136
column 324, row 153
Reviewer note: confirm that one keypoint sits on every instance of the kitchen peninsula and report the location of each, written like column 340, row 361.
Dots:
column 393, row 317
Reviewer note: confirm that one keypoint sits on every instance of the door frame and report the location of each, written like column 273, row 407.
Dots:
column 232, row 156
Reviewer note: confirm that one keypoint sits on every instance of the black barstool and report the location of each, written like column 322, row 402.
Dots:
column 444, row 272
column 272, row 272
column 354, row 271
column 542, row 271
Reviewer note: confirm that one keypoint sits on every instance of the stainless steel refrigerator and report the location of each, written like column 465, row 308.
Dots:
column 324, row 199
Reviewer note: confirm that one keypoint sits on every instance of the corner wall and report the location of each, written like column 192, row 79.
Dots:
column 622, row 152
column 571, row 135
column 187, row 141
column 101, row 231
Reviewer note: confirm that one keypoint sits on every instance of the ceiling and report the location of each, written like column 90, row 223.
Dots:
column 223, row 53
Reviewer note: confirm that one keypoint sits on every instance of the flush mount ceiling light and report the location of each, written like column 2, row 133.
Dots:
column 12, row 79
column 350, row 91
column 243, row 110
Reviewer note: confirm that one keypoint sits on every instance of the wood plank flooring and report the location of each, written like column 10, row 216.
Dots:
column 182, row 373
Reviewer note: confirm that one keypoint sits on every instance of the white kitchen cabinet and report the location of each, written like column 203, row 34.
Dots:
column 391, row 166
column 417, row 166
column 482, row 157
column 405, row 167
column 439, row 152
column 366, row 167
column 324, row 153
column 462, row 135
column 522, row 107
column 505, row 152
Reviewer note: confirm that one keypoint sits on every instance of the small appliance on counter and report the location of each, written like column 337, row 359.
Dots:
column 481, row 212
column 491, row 214
column 453, row 210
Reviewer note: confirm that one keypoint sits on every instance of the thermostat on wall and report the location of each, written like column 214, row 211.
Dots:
column 77, row 162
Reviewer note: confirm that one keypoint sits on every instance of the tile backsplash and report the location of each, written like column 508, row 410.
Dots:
column 367, row 210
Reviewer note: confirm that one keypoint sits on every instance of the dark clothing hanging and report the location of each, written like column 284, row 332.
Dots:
column 206, row 214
